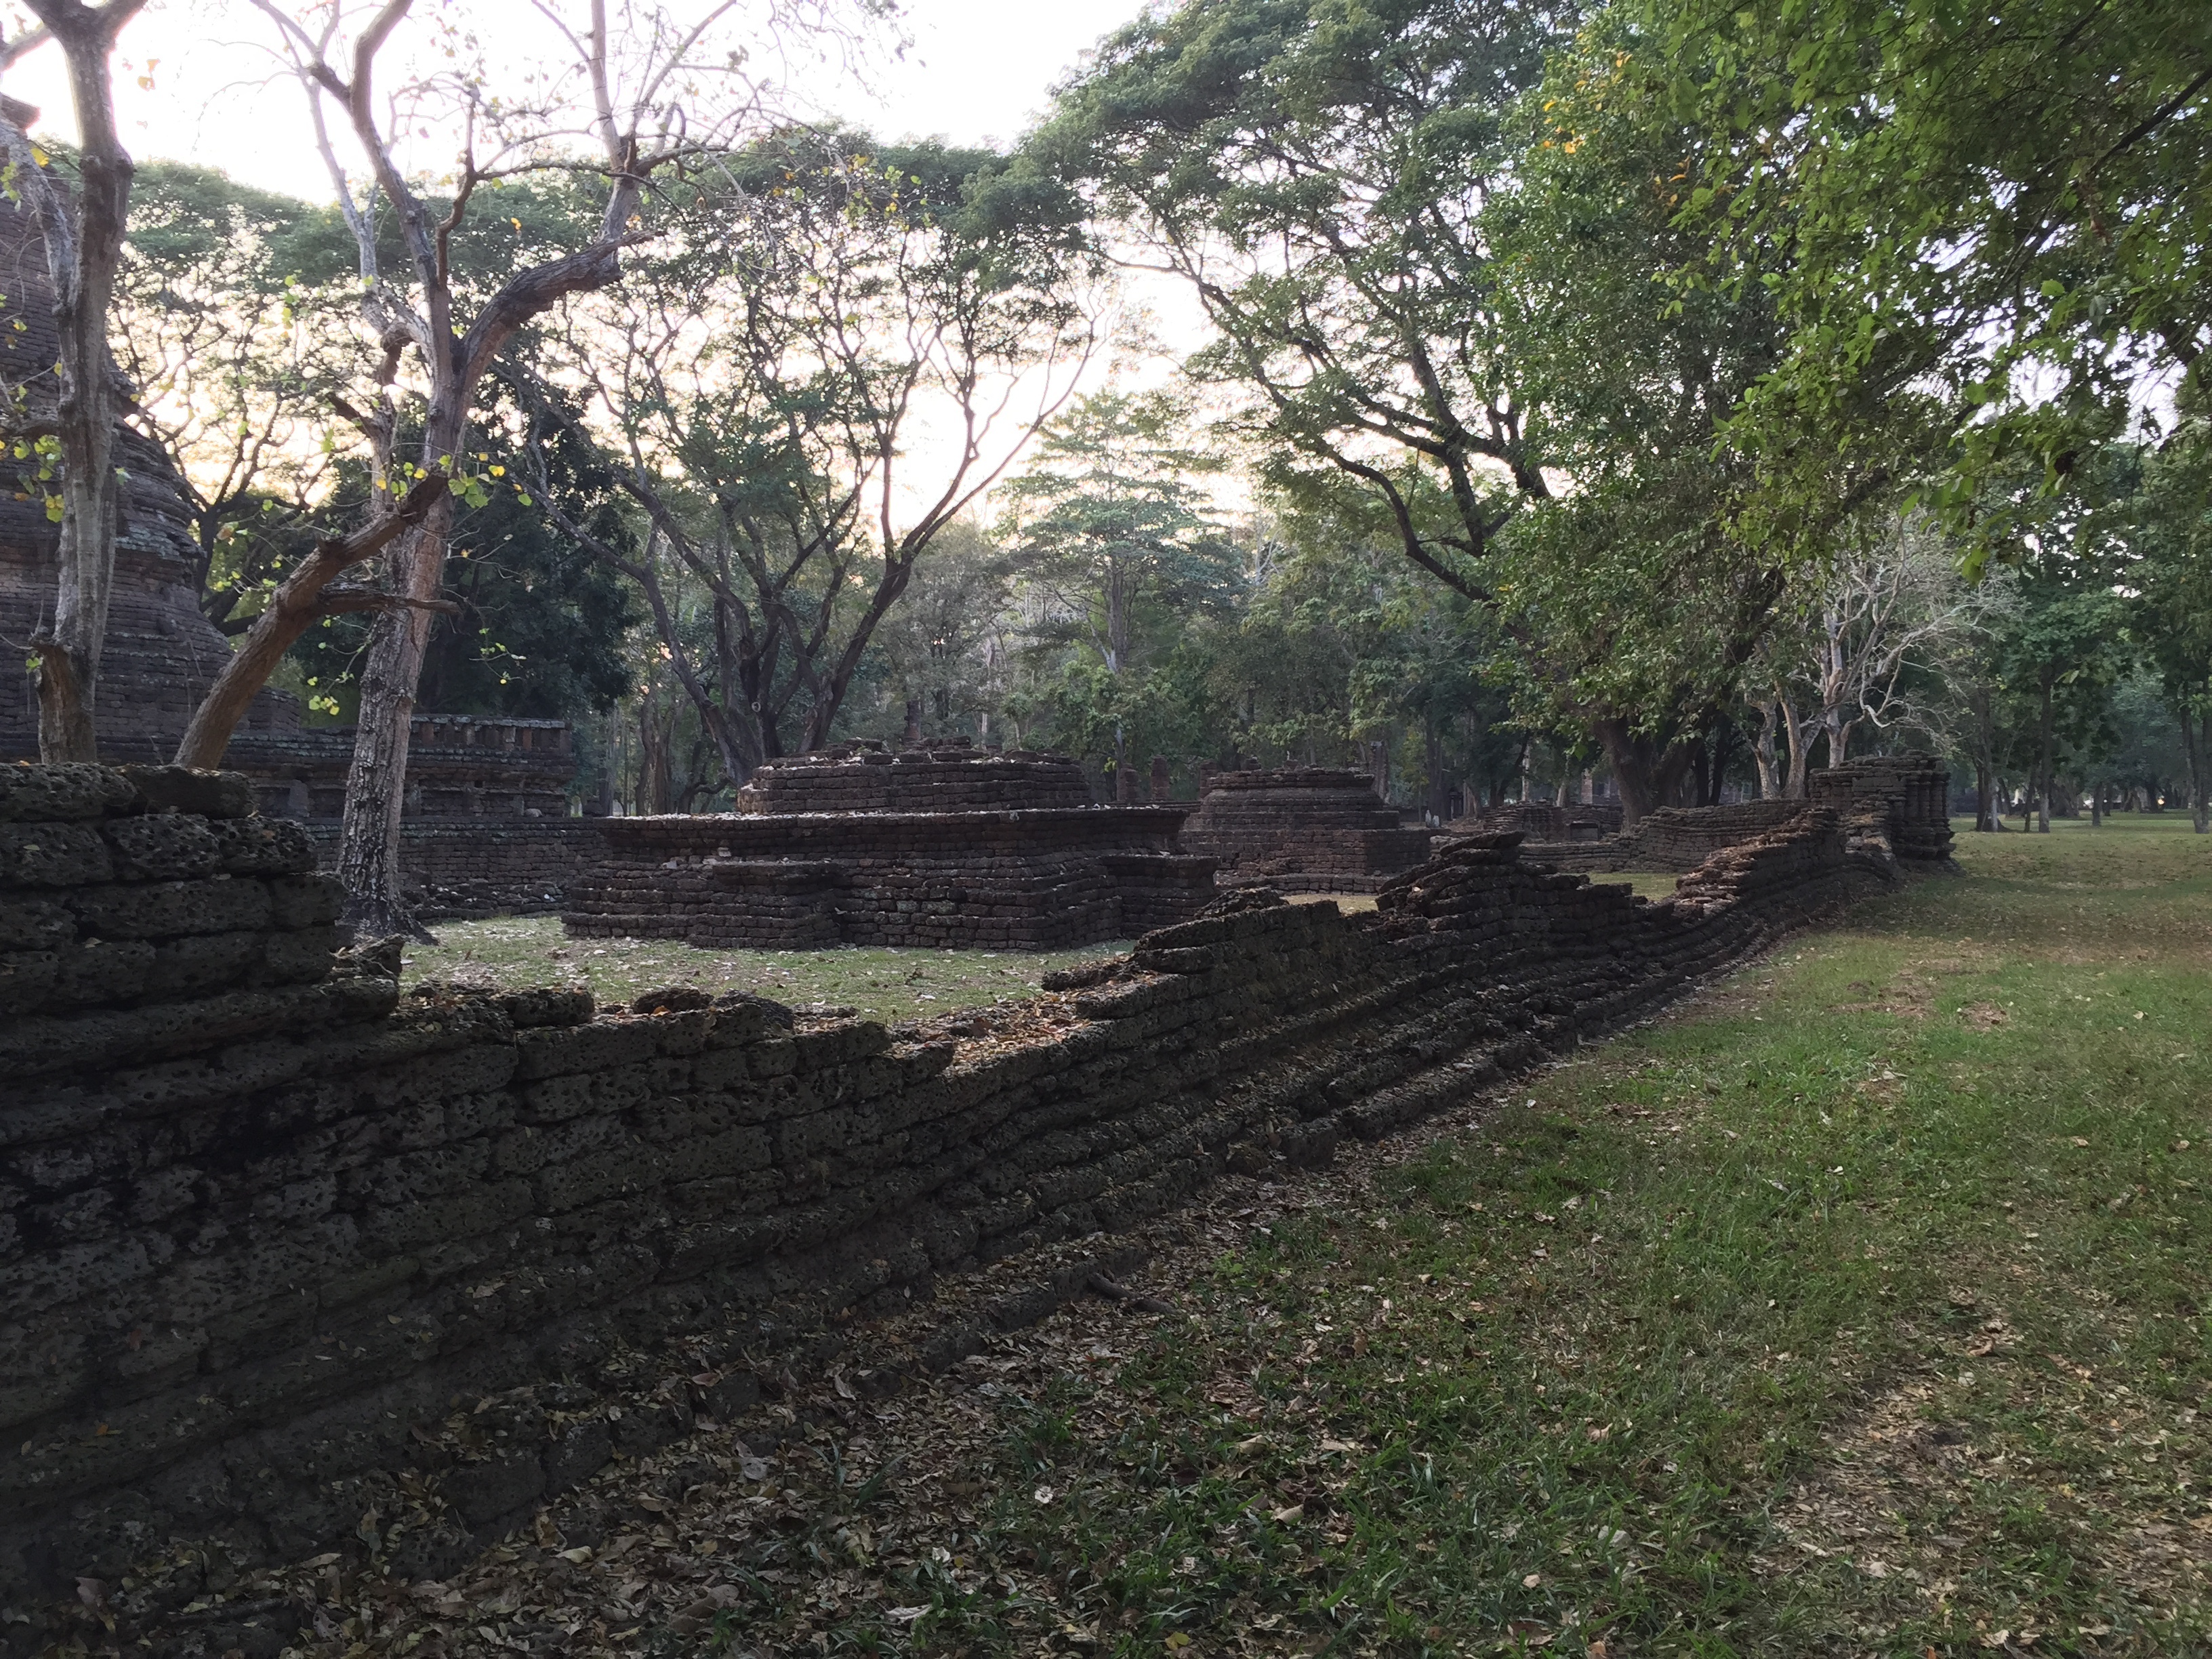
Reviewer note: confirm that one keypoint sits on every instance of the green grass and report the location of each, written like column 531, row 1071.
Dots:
column 1858, row 1309
column 510, row 952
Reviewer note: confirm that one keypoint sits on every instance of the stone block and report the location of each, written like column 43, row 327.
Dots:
column 36, row 794
column 200, row 965
column 168, row 847
column 558, row 1051
column 26, row 977
column 170, row 909
column 53, row 856
column 264, row 846
column 34, row 924
column 304, row 900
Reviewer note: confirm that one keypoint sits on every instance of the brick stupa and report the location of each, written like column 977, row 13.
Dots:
column 932, row 847
column 1309, row 828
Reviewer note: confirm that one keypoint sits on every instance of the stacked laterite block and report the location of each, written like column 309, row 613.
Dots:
column 928, row 848
column 1903, row 800
column 1675, row 838
column 259, row 1222
column 485, row 866
column 1889, row 806
column 1303, row 830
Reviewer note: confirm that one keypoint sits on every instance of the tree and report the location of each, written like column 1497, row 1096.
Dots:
column 228, row 322
column 2005, row 203
column 763, row 377
column 1439, row 272
column 651, row 92
column 1107, row 520
column 1318, row 176
column 83, row 248
column 538, row 628
column 1852, row 651
column 2170, row 612
column 939, row 660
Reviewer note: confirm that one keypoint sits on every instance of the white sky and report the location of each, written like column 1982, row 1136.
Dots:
column 197, row 80
column 978, row 70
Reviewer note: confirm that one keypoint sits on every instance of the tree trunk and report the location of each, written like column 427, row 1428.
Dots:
column 2197, row 745
column 81, row 258
column 1770, row 776
column 1645, row 781
column 376, row 783
column 2042, row 763
column 1985, row 791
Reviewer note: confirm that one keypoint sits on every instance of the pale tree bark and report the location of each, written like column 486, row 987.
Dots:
column 82, row 252
column 646, row 133
column 310, row 593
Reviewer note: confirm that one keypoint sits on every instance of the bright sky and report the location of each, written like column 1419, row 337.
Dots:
column 197, row 80
column 978, row 70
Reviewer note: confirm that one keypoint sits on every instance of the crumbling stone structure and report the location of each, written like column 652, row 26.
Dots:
column 261, row 1216
column 1891, row 806
column 935, row 847
column 162, row 655
column 1543, row 821
column 1310, row 829
column 1900, row 802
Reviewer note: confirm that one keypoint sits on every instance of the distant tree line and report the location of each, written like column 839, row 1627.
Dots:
column 1681, row 394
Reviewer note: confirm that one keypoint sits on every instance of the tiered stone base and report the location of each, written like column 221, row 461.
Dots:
column 1020, row 880
column 1316, row 829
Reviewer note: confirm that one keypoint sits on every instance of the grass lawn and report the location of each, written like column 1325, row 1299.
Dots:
column 1856, row 1306
column 511, row 951
column 1857, row 1309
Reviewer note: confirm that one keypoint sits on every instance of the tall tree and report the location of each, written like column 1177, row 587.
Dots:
column 762, row 385
column 229, row 325
column 653, row 90
column 84, row 245
column 2005, row 202
column 1317, row 173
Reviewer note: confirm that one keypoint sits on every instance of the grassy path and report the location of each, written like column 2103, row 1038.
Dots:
column 1858, row 1307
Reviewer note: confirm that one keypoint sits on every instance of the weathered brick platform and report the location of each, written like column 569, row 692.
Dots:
column 1314, row 829
column 1894, row 806
column 933, row 848
column 260, row 1215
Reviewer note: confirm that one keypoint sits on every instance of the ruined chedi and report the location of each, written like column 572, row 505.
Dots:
column 932, row 847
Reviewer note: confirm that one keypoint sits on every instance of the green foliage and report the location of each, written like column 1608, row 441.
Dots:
column 2002, row 203
column 542, row 630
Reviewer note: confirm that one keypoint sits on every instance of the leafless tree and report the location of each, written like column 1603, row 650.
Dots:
column 1890, row 600
column 632, row 90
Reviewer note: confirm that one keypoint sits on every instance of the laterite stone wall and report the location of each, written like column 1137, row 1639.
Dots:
column 261, row 1215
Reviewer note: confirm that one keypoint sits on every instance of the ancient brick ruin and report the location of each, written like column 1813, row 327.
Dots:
column 931, row 847
column 1891, row 806
column 260, row 1214
column 508, row 779
column 1312, row 829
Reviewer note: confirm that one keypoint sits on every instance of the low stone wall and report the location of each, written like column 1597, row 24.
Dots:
column 1544, row 821
column 1671, row 838
column 1892, row 806
column 944, row 777
column 456, row 868
column 1021, row 880
column 261, row 1216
